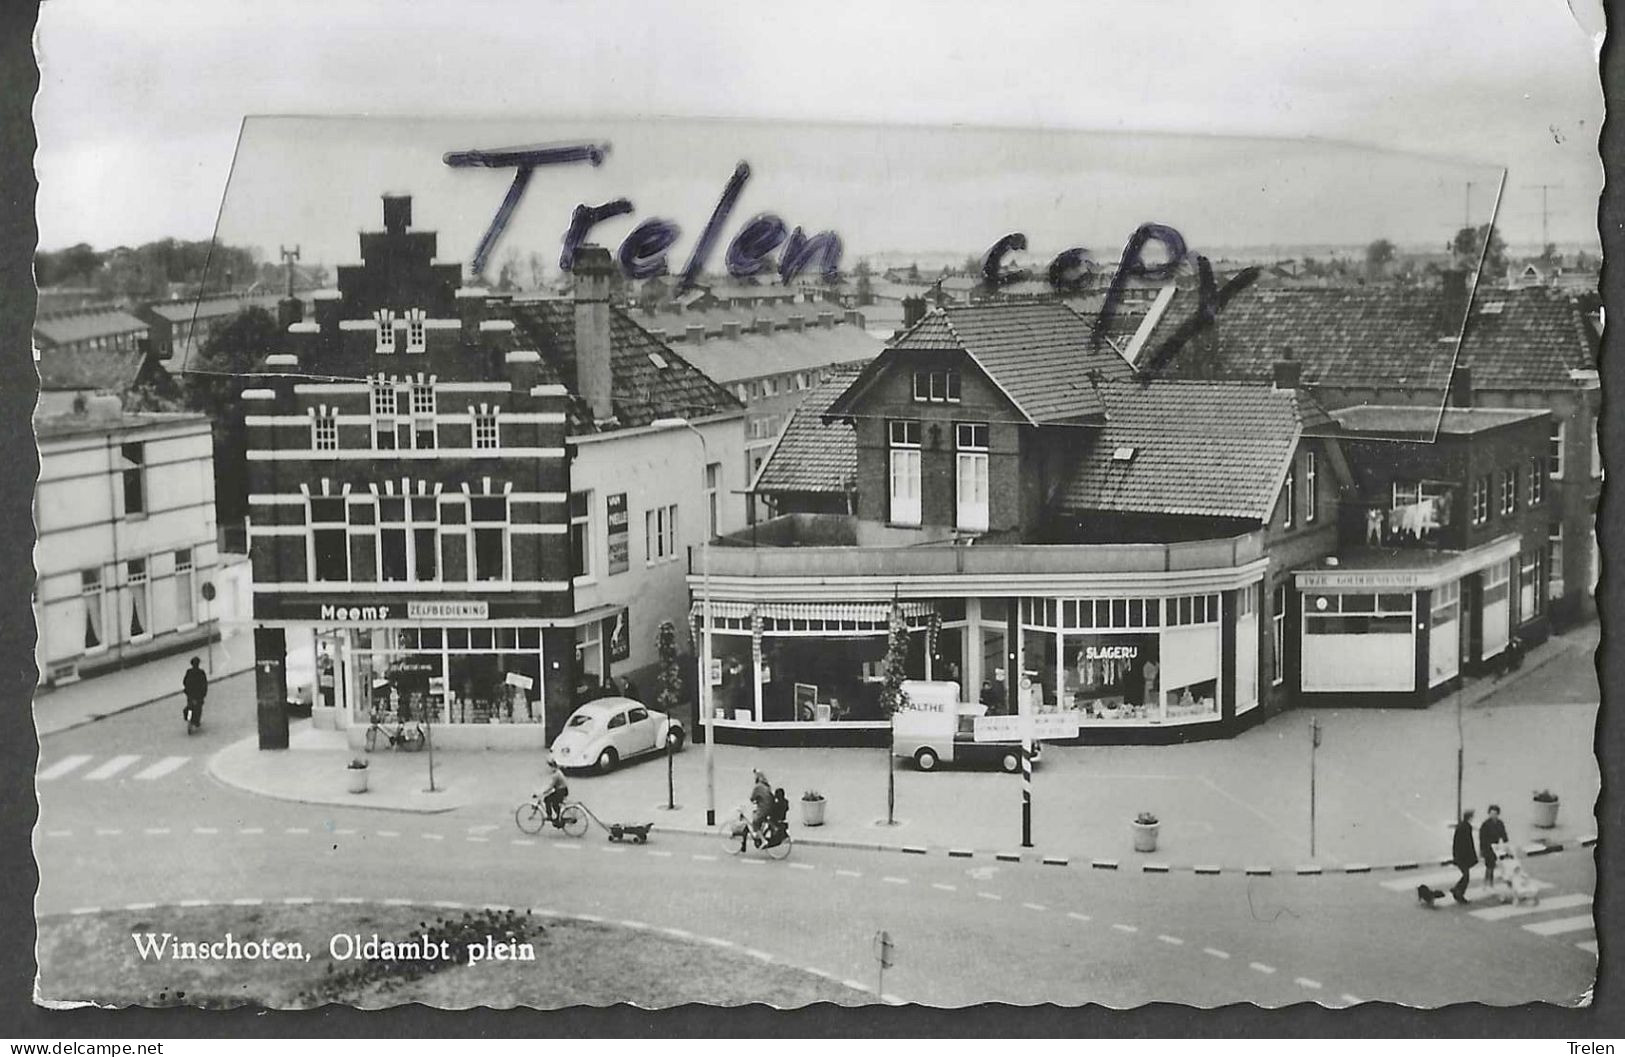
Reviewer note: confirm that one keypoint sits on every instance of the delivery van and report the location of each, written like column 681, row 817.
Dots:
column 938, row 728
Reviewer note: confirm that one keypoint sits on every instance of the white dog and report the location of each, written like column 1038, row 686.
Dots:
column 1509, row 871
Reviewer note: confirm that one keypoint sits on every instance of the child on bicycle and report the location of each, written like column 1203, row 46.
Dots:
column 778, row 818
column 554, row 788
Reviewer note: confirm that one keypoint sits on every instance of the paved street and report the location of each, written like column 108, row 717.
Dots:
column 140, row 820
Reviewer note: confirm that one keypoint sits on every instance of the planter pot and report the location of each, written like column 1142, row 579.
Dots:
column 358, row 779
column 1545, row 814
column 1145, row 837
column 812, row 812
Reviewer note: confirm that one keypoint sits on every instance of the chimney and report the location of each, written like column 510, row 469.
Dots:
column 694, row 333
column 524, row 369
column 764, row 325
column 798, row 323
column 809, row 297
column 1288, row 372
column 397, row 213
column 855, row 318
column 1461, row 386
column 826, row 320
column 1453, row 307
column 730, row 329
column 593, row 379
column 913, row 311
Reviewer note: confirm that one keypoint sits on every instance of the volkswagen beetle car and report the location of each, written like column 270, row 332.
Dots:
column 602, row 733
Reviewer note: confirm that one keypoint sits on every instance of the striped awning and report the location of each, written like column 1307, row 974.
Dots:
column 877, row 613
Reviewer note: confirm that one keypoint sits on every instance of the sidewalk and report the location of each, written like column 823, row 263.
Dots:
column 100, row 696
column 1385, row 785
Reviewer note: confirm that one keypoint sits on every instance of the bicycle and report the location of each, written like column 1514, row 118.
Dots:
column 531, row 816
column 773, row 838
column 408, row 740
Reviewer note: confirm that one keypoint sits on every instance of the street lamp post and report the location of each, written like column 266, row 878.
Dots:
column 707, row 712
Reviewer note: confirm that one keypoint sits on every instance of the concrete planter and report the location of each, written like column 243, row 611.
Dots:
column 1545, row 814
column 358, row 779
column 812, row 812
column 1145, row 835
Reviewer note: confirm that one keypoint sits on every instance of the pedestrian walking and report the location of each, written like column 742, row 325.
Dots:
column 195, row 685
column 1463, row 855
column 1491, row 833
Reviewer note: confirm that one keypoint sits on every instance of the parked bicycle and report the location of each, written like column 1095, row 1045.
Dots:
column 531, row 816
column 408, row 740
column 772, row 838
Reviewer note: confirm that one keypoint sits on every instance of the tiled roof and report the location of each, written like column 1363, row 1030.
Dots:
column 641, row 390
column 185, row 310
column 1038, row 352
column 69, row 327
column 811, row 456
column 108, row 370
column 1390, row 337
column 1388, row 419
column 755, row 354
column 1216, row 449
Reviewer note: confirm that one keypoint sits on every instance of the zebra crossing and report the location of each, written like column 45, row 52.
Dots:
column 89, row 768
column 1564, row 917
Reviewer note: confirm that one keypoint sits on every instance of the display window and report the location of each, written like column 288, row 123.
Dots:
column 447, row 674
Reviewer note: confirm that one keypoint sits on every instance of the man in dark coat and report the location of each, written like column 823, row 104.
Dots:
column 1463, row 855
column 195, row 684
column 1491, row 833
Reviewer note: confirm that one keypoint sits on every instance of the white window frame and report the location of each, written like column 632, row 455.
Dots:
column 1311, row 500
column 583, row 519
column 971, row 476
column 185, row 587
column 385, row 416
column 1554, row 560
column 1509, row 492
column 477, row 525
column 312, row 526
column 1556, row 450
column 1289, row 496
column 1537, row 483
column 487, row 431
column 385, row 320
column 137, row 466
column 713, row 482
column 94, row 593
column 903, row 470
column 324, row 431
column 417, row 331
column 422, row 403
column 1480, row 513
column 138, row 585
column 1278, row 635
column 660, row 534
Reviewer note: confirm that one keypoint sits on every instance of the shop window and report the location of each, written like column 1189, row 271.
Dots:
column 580, row 533
column 489, row 517
column 904, row 438
column 134, row 476
column 1554, row 450
column 139, row 623
column 1358, row 614
column 1481, row 500
column 326, row 432
column 90, row 590
column 1537, row 483
column 185, row 589
column 385, row 320
column 1446, row 604
column 330, row 543
column 1193, row 609
column 1311, row 495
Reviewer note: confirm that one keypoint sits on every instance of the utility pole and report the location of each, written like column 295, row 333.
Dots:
column 1314, row 746
column 1543, row 188
column 288, row 257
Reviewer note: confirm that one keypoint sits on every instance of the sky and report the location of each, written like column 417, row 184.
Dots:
column 144, row 106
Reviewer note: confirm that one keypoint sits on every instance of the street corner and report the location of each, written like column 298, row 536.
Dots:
column 324, row 776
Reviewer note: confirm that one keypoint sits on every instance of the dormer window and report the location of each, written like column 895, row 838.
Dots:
column 417, row 331
column 386, row 330
column 936, row 387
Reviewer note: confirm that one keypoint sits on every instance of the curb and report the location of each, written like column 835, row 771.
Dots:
column 119, row 711
column 1491, row 686
column 213, row 770
column 540, row 912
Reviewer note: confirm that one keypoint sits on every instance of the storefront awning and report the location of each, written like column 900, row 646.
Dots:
column 1372, row 569
column 870, row 613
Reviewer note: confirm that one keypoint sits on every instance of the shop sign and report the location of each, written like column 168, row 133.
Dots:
column 1369, row 579
column 425, row 610
column 1047, row 726
column 414, row 664
column 620, row 635
column 620, row 545
column 523, row 682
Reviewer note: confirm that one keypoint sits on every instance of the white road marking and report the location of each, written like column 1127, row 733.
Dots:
column 61, row 767
column 1588, row 945
column 594, row 918
column 110, row 768
column 679, row 933
column 1304, row 981
column 802, row 866
column 561, row 847
column 299, row 901
column 250, row 831
column 521, row 841
column 1261, row 967
column 761, row 956
column 895, row 880
column 161, row 831
column 481, row 829
column 990, row 895
column 943, row 887
column 657, row 853
column 478, row 840
column 446, row 904
column 1172, row 941
column 69, row 832
column 848, row 873
column 1561, row 925
column 1215, row 952
column 194, row 903
column 86, row 910
column 140, row 906
column 754, row 862
column 612, row 849
column 433, row 836
column 1035, row 906
column 205, row 830
column 162, row 767
column 108, row 832
column 339, row 832
column 348, row 900
column 703, row 858
column 298, row 829
column 389, row 833
column 1125, row 928
column 1513, row 910
column 397, row 902
column 246, row 902
column 633, row 925
column 713, row 941
column 1075, row 916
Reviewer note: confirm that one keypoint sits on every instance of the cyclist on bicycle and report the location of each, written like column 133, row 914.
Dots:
column 555, row 788
column 778, row 818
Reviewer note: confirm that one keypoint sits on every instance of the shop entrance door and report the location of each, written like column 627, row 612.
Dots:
column 994, row 677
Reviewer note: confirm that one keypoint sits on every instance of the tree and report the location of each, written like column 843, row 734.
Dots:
column 668, row 694
column 1378, row 255
column 1469, row 243
column 213, row 383
column 914, row 272
column 893, row 698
